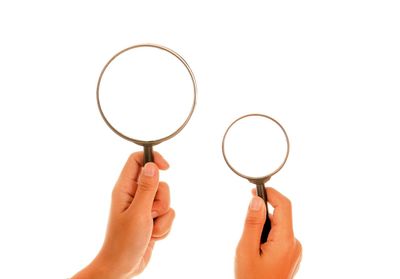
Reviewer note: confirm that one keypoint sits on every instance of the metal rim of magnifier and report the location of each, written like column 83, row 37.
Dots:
column 138, row 141
column 260, row 179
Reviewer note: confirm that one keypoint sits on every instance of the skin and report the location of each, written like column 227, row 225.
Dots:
column 137, row 198
column 140, row 215
column 280, row 256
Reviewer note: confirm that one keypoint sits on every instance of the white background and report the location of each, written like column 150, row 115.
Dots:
column 328, row 70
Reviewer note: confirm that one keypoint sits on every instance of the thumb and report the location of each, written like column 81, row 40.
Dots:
column 147, row 188
column 253, row 226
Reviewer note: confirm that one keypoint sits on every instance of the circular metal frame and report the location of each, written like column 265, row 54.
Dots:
column 138, row 141
column 261, row 179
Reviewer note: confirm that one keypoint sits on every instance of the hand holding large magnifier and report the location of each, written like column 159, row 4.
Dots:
column 256, row 147
column 146, row 94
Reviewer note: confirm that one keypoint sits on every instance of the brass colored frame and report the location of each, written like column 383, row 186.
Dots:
column 148, row 145
column 259, row 181
column 265, row 178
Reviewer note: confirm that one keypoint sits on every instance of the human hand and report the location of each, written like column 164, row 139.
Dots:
column 137, row 198
column 280, row 256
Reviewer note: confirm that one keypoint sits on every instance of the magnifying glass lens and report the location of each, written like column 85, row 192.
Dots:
column 255, row 146
column 146, row 93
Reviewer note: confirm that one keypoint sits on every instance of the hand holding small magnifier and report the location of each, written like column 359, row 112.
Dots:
column 255, row 147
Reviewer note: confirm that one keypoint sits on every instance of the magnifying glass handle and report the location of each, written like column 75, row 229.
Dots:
column 267, row 226
column 148, row 154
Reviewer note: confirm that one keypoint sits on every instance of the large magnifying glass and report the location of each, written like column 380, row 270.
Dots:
column 255, row 147
column 146, row 94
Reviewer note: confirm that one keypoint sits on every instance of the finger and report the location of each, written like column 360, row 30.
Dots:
column 128, row 177
column 160, row 161
column 125, row 187
column 161, row 201
column 129, row 174
column 146, row 189
column 254, row 193
column 162, row 225
column 282, row 218
column 253, row 227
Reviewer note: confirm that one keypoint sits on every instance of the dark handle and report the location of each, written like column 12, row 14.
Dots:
column 148, row 154
column 267, row 226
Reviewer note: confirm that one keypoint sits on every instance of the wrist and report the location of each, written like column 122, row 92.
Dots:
column 99, row 269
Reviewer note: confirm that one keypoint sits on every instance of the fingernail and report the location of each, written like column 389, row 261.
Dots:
column 255, row 204
column 149, row 170
column 154, row 214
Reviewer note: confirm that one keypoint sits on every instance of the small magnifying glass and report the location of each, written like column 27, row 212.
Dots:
column 146, row 94
column 255, row 147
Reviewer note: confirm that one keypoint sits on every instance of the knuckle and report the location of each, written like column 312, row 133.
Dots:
column 293, row 247
column 146, row 185
column 298, row 248
column 173, row 213
column 163, row 189
column 156, row 232
column 158, row 229
column 131, row 156
column 161, row 229
column 164, row 206
column 252, row 220
column 164, row 185
column 161, row 207
column 287, row 203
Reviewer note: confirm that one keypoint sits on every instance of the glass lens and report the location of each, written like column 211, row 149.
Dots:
column 255, row 146
column 146, row 93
